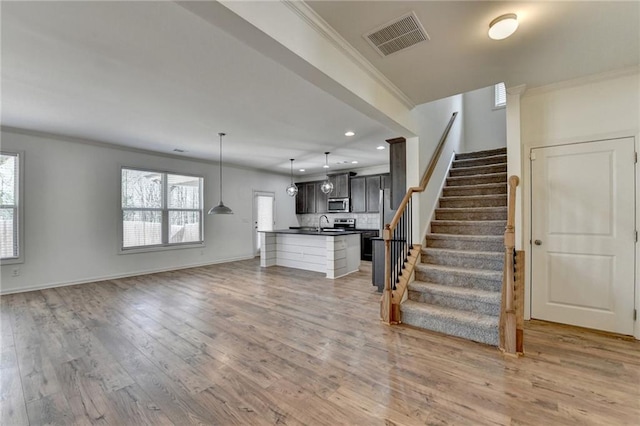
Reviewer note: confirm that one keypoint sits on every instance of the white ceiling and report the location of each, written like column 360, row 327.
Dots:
column 155, row 76
column 152, row 75
column 556, row 41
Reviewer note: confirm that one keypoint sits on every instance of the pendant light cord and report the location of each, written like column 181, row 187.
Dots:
column 221, row 135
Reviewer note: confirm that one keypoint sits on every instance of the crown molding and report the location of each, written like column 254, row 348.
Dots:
column 318, row 24
column 581, row 81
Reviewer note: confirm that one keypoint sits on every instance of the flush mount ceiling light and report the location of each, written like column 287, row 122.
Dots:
column 292, row 189
column 354, row 162
column 349, row 133
column 381, row 147
column 302, row 170
column 326, row 186
column 221, row 208
column 503, row 26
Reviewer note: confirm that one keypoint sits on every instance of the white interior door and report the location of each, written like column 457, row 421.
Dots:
column 263, row 215
column 583, row 234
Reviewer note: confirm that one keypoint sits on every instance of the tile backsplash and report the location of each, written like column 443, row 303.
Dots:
column 363, row 220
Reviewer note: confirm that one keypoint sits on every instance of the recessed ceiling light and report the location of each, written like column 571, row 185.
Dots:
column 302, row 170
column 381, row 147
column 354, row 162
column 349, row 133
column 503, row 26
column 326, row 166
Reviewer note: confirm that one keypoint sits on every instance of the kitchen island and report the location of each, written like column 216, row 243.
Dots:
column 331, row 251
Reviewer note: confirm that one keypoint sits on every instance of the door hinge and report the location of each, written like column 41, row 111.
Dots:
column 635, row 157
column 532, row 156
column 635, row 314
column 636, row 236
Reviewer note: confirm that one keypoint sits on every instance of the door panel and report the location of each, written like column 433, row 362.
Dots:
column 583, row 228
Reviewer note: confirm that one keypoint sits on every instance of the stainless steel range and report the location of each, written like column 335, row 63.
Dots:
column 345, row 223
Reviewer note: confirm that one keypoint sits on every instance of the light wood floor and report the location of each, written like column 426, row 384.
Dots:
column 237, row 344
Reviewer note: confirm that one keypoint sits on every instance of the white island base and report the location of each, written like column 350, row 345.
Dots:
column 335, row 255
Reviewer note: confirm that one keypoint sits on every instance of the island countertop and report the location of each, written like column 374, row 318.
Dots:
column 326, row 232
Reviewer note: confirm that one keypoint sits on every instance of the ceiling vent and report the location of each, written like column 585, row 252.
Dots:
column 397, row 35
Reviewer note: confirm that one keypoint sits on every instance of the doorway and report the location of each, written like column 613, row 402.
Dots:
column 263, row 215
column 583, row 234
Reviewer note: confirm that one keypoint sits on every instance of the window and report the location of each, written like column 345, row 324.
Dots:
column 10, row 210
column 160, row 209
column 500, row 96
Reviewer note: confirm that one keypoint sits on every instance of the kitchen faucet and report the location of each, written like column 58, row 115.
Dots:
column 320, row 221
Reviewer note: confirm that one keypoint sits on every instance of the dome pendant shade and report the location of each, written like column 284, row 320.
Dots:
column 503, row 26
column 221, row 208
column 326, row 186
column 292, row 189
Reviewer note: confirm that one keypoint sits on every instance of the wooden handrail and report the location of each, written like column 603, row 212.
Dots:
column 510, row 313
column 389, row 305
column 426, row 176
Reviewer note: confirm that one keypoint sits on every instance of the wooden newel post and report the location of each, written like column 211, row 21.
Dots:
column 508, row 312
column 385, row 303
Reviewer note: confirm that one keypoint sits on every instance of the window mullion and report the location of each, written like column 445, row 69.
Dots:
column 165, row 210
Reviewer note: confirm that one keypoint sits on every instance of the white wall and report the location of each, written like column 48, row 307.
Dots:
column 72, row 204
column 484, row 127
column 432, row 118
column 598, row 107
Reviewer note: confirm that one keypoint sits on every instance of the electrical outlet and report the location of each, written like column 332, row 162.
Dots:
column 15, row 272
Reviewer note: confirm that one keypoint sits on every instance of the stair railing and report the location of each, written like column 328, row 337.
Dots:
column 512, row 306
column 400, row 253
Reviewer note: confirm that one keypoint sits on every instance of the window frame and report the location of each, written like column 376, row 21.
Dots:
column 164, row 212
column 19, row 209
column 494, row 105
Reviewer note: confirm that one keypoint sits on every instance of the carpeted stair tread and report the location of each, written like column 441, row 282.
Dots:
column 461, row 292
column 469, row 325
column 465, row 299
column 468, row 227
column 477, row 179
column 480, row 154
column 492, row 243
column 477, row 170
column 472, row 213
column 482, row 161
column 475, row 190
column 473, row 201
column 462, row 271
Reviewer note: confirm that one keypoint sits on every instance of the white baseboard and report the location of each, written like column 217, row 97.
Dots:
column 117, row 276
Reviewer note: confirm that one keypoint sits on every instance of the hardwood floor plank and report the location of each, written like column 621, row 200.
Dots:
column 239, row 344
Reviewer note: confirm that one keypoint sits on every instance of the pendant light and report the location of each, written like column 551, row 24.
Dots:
column 326, row 186
column 292, row 189
column 221, row 208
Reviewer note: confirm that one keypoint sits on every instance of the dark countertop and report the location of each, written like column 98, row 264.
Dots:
column 312, row 232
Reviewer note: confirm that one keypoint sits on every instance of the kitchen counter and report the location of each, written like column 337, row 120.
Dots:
column 336, row 253
column 313, row 231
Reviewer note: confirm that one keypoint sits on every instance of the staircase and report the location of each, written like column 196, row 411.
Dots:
column 457, row 290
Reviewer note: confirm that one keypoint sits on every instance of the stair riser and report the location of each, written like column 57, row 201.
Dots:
column 482, row 154
column 486, row 161
column 477, row 180
column 458, row 280
column 471, row 215
column 480, row 190
column 462, row 304
column 495, row 246
column 473, row 202
column 497, row 229
column 492, row 263
column 453, row 328
column 469, row 171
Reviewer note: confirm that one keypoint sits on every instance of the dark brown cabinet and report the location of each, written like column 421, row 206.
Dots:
column 340, row 185
column 373, row 194
column 307, row 198
column 321, row 199
column 300, row 198
column 310, row 197
column 358, row 194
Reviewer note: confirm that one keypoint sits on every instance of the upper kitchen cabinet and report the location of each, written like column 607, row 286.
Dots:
column 340, row 185
column 373, row 194
column 358, row 194
column 306, row 198
column 300, row 198
column 321, row 199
